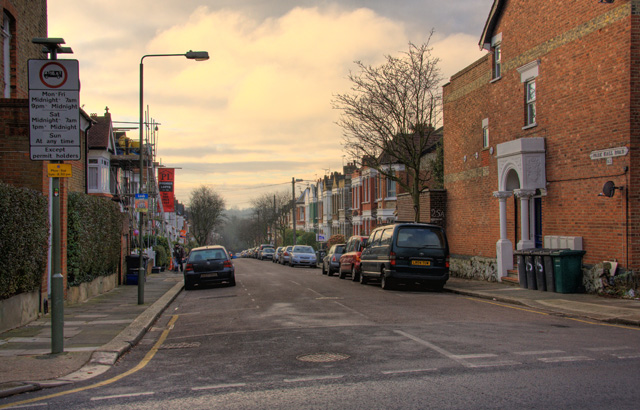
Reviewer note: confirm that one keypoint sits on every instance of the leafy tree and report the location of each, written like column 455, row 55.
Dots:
column 205, row 211
column 391, row 115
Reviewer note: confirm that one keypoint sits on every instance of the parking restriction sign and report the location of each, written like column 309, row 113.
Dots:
column 54, row 110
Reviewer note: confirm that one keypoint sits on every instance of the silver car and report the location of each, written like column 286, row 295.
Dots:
column 302, row 255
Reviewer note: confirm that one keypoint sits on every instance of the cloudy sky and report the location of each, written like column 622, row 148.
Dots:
column 258, row 112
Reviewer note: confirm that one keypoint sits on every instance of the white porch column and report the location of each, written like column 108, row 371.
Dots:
column 504, row 247
column 525, row 237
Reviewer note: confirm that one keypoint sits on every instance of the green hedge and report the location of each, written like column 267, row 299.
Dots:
column 24, row 238
column 93, row 242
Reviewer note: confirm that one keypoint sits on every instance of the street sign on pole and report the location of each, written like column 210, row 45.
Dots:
column 54, row 110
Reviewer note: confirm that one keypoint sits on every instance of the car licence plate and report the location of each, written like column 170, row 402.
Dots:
column 421, row 263
column 209, row 275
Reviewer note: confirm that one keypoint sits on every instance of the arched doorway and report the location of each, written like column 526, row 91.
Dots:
column 521, row 171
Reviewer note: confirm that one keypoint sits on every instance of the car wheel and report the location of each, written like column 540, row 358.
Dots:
column 363, row 279
column 232, row 282
column 329, row 271
column 386, row 283
column 354, row 274
column 324, row 271
column 341, row 273
column 436, row 286
column 188, row 284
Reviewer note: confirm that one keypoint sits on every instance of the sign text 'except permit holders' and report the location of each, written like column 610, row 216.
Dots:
column 54, row 110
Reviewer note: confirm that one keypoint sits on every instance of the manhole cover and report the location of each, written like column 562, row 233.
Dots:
column 180, row 345
column 323, row 357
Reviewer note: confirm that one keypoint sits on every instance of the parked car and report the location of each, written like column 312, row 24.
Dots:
column 261, row 248
column 302, row 255
column 208, row 265
column 276, row 255
column 267, row 253
column 350, row 260
column 406, row 252
column 331, row 261
column 286, row 255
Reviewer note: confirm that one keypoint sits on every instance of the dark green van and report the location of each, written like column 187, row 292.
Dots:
column 406, row 253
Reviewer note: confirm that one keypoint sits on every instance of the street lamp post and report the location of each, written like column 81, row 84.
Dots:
column 191, row 55
column 293, row 203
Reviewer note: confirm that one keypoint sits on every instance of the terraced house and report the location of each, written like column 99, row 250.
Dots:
column 541, row 135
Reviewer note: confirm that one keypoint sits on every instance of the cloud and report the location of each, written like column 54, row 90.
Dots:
column 259, row 111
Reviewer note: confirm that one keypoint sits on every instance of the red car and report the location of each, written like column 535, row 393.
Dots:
column 350, row 260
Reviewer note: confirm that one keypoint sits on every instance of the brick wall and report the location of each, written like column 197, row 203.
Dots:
column 583, row 96
column 30, row 22
column 433, row 207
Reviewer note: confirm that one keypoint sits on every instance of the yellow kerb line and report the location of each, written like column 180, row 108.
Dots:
column 564, row 317
column 147, row 358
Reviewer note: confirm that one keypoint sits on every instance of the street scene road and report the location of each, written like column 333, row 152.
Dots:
column 293, row 338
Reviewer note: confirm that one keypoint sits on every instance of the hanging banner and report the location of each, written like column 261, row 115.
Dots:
column 165, row 186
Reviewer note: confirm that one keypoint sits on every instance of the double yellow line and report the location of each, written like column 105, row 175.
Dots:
column 145, row 361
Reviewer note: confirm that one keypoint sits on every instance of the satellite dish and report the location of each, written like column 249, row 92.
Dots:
column 609, row 189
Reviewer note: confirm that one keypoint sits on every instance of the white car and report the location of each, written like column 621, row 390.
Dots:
column 302, row 255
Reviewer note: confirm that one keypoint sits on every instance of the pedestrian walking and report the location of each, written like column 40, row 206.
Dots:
column 178, row 256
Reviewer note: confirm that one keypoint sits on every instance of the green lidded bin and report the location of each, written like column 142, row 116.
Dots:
column 567, row 267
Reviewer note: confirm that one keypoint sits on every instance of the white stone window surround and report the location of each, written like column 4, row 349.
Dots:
column 528, row 74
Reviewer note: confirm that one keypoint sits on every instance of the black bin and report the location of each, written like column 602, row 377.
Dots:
column 133, row 265
column 522, row 272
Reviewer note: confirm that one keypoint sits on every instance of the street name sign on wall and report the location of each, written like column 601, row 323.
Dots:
column 54, row 110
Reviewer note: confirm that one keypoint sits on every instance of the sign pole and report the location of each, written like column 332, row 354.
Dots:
column 54, row 119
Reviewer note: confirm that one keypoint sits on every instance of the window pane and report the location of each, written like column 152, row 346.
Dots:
column 531, row 91
column 531, row 113
column 93, row 177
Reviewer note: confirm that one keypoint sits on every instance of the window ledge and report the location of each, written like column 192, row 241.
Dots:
column 526, row 127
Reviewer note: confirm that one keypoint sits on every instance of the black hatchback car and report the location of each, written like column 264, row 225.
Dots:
column 406, row 252
column 209, row 265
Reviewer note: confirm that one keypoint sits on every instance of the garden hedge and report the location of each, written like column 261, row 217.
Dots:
column 24, row 238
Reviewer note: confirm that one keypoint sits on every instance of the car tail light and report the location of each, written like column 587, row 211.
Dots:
column 446, row 262
column 227, row 264
column 392, row 258
column 189, row 268
column 334, row 258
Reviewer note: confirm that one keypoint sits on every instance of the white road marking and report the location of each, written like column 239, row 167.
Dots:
column 496, row 364
column 409, row 371
column 539, row 352
column 628, row 356
column 310, row 379
column 474, row 356
column 122, row 396
column 220, row 386
column 459, row 358
column 606, row 348
column 564, row 359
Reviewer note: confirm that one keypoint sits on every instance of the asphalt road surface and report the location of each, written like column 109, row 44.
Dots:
column 292, row 338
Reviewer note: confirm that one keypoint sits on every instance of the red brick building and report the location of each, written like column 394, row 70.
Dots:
column 535, row 129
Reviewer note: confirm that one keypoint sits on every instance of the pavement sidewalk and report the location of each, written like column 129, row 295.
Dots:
column 96, row 333
column 102, row 329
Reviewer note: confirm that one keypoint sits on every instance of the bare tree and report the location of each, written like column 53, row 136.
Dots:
column 205, row 213
column 272, row 211
column 391, row 115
